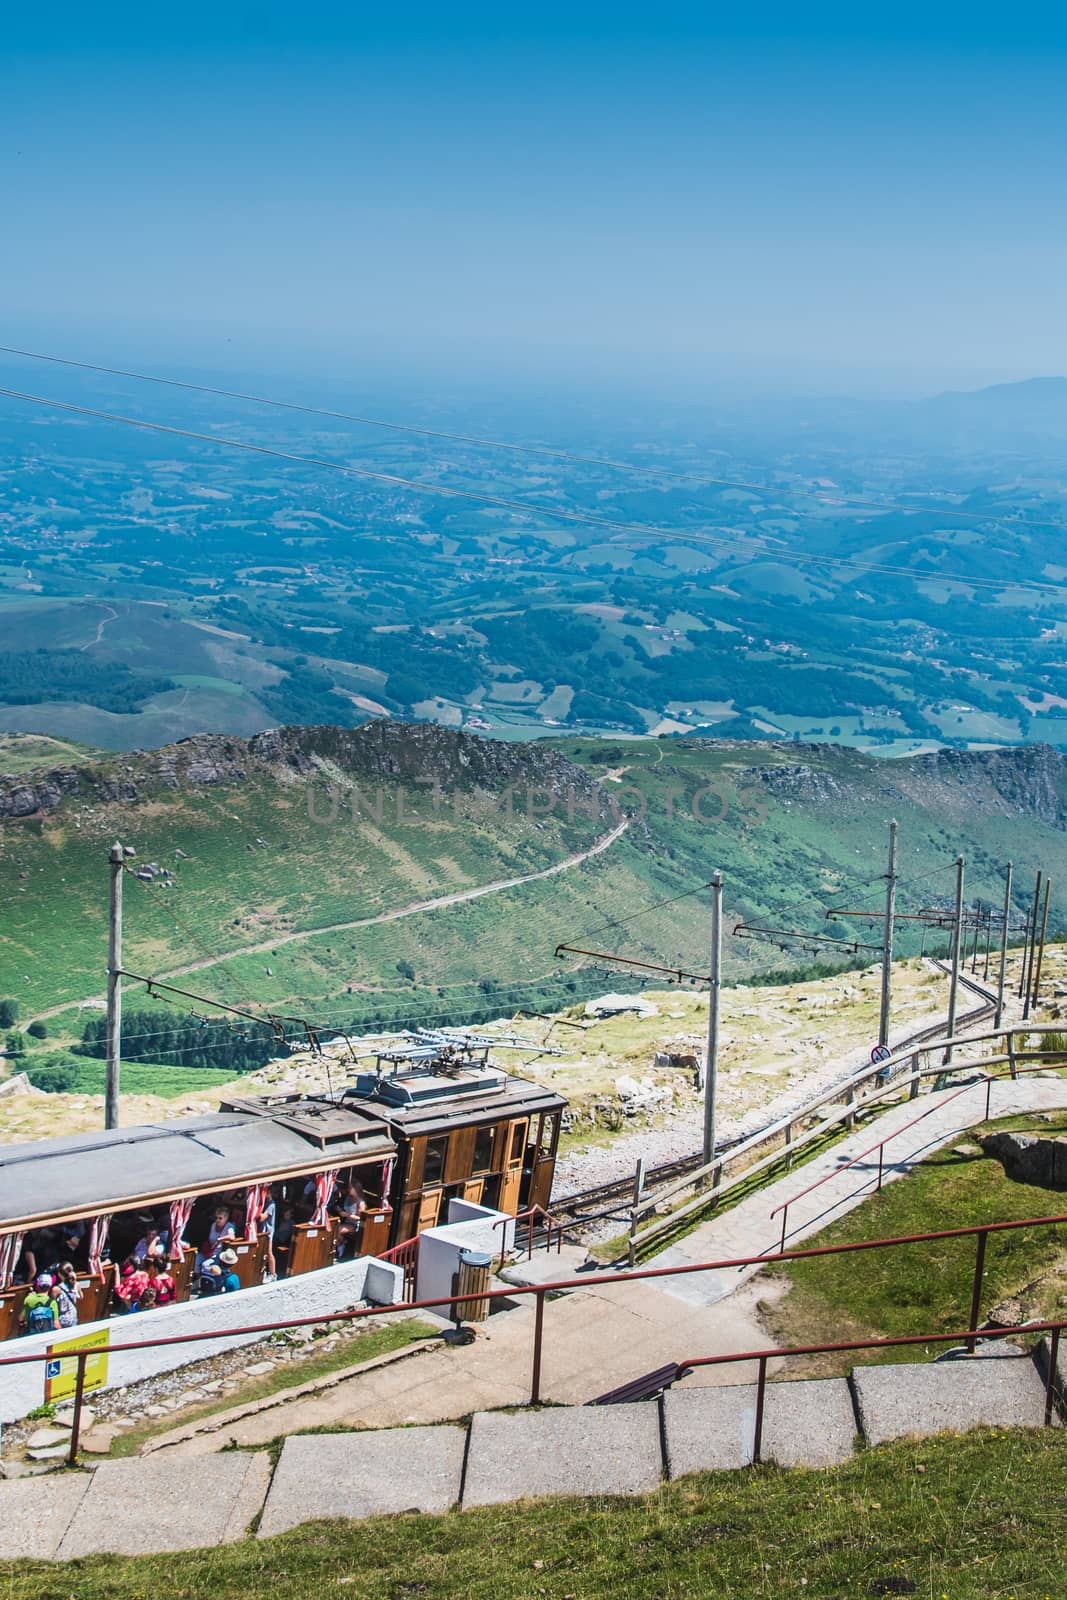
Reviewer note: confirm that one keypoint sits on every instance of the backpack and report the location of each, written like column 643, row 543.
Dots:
column 67, row 1307
column 40, row 1318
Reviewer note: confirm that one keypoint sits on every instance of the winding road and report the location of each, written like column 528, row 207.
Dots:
column 416, row 908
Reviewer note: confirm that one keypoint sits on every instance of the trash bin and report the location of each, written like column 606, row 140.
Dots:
column 472, row 1278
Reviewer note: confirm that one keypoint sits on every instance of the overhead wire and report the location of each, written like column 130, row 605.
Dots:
column 510, row 445
column 514, row 447
column 533, row 509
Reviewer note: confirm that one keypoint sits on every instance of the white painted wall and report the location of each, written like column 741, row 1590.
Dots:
column 312, row 1294
column 469, row 1227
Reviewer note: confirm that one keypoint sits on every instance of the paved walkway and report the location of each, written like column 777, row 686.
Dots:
column 605, row 1334
column 498, row 1458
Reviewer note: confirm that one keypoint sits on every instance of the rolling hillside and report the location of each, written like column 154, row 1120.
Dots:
column 319, row 870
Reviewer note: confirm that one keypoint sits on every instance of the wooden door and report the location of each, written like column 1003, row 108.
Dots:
column 472, row 1190
column 511, row 1181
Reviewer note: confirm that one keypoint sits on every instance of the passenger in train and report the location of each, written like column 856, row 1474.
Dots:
column 153, row 1242
column 160, row 1281
column 67, row 1295
column 266, row 1223
column 350, row 1219
column 283, row 1240
column 221, row 1228
column 218, row 1276
column 132, row 1281
column 39, row 1307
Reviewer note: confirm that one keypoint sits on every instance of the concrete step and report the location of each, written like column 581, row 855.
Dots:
column 546, row 1266
column 948, row 1396
column 369, row 1474
column 35, row 1513
column 134, row 1506
column 807, row 1423
column 579, row 1450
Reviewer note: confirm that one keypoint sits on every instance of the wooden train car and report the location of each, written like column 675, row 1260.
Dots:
column 424, row 1126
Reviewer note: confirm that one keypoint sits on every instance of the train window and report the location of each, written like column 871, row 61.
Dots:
column 484, row 1140
column 433, row 1167
column 518, row 1141
column 549, row 1129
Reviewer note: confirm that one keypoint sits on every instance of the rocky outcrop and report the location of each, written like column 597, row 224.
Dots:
column 19, row 799
column 1028, row 1159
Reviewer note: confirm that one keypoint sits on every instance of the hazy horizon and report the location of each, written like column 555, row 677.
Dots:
column 847, row 208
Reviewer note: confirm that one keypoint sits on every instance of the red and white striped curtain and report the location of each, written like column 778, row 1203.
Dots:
column 325, row 1183
column 387, row 1183
column 180, row 1212
column 10, row 1250
column 255, row 1199
column 99, row 1228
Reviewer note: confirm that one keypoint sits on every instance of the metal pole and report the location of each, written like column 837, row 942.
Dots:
column 76, row 1420
column 1028, row 948
column 1041, row 943
column 1003, row 947
column 988, row 942
column 1029, row 968
column 711, row 1064
column 539, row 1328
column 639, row 1189
column 976, row 1286
column 114, row 991
column 761, row 1391
column 887, row 944
column 974, row 946
column 957, row 936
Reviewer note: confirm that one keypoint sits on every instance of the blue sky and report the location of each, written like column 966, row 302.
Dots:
column 844, row 200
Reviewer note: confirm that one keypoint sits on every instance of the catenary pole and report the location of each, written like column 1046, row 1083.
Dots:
column 957, row 941
column 1028, row 942
column 711, row 1062
column 887, row 944
column 1041, row 944
column 1003, row 947
column 1028, row 973
column 114, row 990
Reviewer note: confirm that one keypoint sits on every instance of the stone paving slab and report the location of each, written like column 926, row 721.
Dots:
column 36, row 1512
column 367, row 1474
column 580, row 1450
column 160, row 1504
column 948, row 1396
column 807, row 1423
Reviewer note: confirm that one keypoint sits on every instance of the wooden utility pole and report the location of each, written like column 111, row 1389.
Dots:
column 1041, row 945
column 957, row 940
column 711, row 1060
column 114, row 990
column 1003, row 947
column 887, row 942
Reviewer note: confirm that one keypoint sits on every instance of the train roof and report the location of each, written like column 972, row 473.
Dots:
column 84, row 1174
column 433, row 1101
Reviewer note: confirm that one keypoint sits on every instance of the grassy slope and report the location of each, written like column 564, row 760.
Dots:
column 977, row 1518
column 785, row 857
column 926, row 1287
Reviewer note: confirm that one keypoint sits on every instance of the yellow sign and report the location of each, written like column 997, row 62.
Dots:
column 61, row 1369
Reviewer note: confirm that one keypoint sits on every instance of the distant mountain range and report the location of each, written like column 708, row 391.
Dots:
column 1035, row 406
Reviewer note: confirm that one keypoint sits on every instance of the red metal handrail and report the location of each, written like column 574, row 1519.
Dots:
column 540, row 1291
column 988, row 1078
column 405, row 1256
column 528, row 1216
column 1054, row 1329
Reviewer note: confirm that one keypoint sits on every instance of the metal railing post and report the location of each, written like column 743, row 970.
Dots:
column 916, row 1082
column 761, row 1390
column 785, row 1218
column 881, row 1153
column 988, row 1093
column 76, row 1421
column 850, row 1119
column 788, row 1146
column 1050, row 1383
column 976, row 1287
column 539, row 1329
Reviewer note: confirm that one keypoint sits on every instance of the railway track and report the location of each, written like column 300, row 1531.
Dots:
column 602, row 1200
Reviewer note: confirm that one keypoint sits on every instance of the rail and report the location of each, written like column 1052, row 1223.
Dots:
column 882, row 1081
column 900, row 1341
column 553, row 1227
column 406, row 1257
column 541, row 1292
column 987, row 1080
